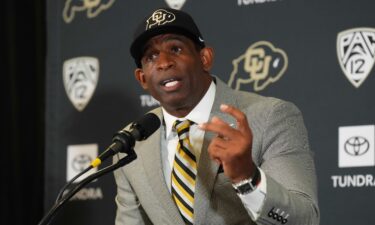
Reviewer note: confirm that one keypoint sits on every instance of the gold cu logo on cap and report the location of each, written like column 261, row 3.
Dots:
column 160, row 17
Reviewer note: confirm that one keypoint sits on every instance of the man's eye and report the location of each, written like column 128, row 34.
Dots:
column 176, row 49
column 151, row 57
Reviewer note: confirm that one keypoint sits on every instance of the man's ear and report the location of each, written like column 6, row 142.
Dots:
column 140, row 76
column 207, row 58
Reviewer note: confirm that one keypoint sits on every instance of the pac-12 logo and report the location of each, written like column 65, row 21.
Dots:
column 80, row 76
column 356, row 51
column 93, row 7
column 175, row 4
column 261, row 65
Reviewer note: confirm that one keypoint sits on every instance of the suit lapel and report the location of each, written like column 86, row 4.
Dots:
column 207, row 171
column 207, row 168
column 150, row 156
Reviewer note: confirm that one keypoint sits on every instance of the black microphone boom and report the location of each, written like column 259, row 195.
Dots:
column 124, row 140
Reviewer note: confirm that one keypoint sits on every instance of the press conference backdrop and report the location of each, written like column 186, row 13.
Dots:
column 318, row 54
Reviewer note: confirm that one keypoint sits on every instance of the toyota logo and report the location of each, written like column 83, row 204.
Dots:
column 356, row 146
column 81, row 162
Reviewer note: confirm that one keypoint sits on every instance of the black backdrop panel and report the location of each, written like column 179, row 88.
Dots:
column 88, row 61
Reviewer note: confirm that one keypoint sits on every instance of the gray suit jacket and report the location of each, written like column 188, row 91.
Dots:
column 280, row 148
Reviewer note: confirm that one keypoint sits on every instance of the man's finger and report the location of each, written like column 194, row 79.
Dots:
column 242, row 123
column 219, row 127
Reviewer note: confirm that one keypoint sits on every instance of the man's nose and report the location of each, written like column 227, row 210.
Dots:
column 165, row 61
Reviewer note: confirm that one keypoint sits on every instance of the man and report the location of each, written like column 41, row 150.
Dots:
column 237, row 158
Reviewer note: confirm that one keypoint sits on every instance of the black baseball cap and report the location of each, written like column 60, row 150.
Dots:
column 161, row 21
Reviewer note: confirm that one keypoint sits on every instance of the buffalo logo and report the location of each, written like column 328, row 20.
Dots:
column 356, row 146
column 355, row 51
column 175, row 4
column 160, row 17
column 262, row 64
column 80, row 76
column 81, row 162
column 93, row 8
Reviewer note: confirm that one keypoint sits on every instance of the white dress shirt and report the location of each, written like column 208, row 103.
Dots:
column 253, row 201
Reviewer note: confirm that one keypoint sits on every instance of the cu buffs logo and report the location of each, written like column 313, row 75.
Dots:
column 355, row 51
column 160, row 17
column 80, row 76
column 356, row 146
column 261, row 65
column 92, row 8
column 175, row 4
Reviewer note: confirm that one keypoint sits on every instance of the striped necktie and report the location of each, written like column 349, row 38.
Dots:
column 184, row 172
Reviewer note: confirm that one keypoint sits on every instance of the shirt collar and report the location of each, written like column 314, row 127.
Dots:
column 200, row 113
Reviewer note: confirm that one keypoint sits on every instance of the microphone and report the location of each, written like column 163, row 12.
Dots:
column 124, row 140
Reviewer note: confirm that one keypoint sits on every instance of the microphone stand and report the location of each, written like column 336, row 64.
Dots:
column 122, row 162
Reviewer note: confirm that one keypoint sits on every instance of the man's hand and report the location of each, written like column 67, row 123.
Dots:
column 232, row 146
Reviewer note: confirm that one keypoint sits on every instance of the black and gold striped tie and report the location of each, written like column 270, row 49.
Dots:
column 184, row 172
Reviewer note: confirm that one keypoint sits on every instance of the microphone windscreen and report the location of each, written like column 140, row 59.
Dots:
column 146, row 126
